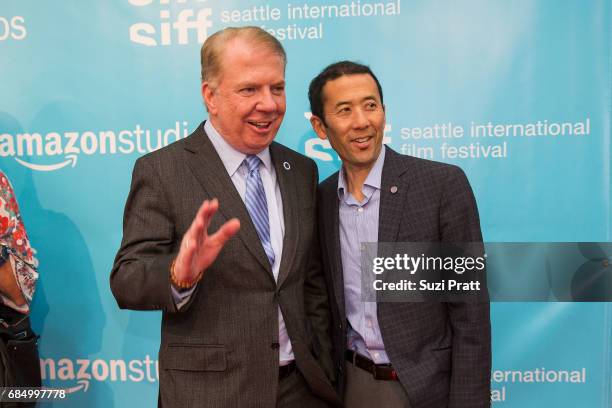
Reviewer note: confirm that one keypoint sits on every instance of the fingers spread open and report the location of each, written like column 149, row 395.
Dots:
column 225, row 232
column 210, row 210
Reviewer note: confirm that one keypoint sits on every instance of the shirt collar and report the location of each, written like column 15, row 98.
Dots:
column 373, row 179
column 231, row 158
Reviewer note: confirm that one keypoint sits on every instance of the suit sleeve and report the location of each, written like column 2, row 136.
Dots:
column 317, row 302
column 470, row 321
column 140, row 278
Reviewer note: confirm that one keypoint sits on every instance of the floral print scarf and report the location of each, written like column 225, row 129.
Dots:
column 14, row 241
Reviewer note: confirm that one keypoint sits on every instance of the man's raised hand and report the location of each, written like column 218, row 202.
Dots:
column 199, row 249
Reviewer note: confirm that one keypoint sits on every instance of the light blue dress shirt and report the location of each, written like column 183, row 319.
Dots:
column 359, row 224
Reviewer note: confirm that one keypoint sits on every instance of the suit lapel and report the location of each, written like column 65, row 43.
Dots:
column 393, row 192
column 285, row 179
column 208, row 168
column 331, row 217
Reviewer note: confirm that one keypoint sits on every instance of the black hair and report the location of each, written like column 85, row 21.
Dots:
column 331, row 72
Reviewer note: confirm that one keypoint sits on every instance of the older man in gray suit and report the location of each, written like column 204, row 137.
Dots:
column 395, row 354
column 245, row 312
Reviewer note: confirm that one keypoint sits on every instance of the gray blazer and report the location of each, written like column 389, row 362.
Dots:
column 441, row 351
column 221, row 349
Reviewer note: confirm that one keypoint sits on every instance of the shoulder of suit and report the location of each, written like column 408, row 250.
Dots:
column 329, row 185
column 173, row 149
column 416, row 165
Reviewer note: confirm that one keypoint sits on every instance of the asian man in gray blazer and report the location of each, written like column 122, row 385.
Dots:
column 393, row 354
column 219, row 234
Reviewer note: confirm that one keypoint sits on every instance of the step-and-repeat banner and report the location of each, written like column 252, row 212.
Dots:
column 518, row 94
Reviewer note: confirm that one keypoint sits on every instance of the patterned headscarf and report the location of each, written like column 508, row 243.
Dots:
column 14, row 241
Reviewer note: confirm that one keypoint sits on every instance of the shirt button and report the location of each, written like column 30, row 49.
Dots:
column 376, row 355
column 369, row 323
column 360, row 209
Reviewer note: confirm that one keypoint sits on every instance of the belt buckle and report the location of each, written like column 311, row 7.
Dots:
column 392, row 374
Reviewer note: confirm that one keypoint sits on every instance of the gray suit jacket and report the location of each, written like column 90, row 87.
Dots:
column 441, row 351
column 221, row 349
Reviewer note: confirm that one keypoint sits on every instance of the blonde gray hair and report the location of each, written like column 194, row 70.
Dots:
column 212, row 49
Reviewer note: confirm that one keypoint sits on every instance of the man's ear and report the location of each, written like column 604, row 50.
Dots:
column 208, row 95
column 318, row 126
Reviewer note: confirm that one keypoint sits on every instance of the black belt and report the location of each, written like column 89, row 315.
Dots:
column 284, row 371
column 384, row 372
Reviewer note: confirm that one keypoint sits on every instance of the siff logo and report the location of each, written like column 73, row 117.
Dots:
column 172, row 28
column 12, row 27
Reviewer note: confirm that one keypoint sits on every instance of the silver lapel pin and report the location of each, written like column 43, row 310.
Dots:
column 393, row 189
column 286, row 165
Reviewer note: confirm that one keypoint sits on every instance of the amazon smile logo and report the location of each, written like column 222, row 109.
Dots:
column 57, row 150
column 76, row 375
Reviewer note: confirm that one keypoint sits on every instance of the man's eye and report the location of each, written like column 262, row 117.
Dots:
column 371, row 106
column 343, row 111
column 247, row 91
column 278, row 90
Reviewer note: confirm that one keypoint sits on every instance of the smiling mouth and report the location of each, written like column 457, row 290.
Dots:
column 362, row 139
column 260, row 124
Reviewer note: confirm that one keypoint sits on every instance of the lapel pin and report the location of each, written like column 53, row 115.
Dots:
column 286, row 165
column 393, row 189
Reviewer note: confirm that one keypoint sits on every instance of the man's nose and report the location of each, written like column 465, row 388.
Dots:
column 360, row 119
column 267, row 102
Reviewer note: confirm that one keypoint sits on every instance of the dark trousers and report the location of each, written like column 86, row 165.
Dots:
column 19, row 362
column 362, row 390
column 293, row 392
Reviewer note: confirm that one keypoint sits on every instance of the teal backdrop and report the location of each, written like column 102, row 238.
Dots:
column 518, row 94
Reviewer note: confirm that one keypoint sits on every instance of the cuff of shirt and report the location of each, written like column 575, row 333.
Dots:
column 182, row 296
